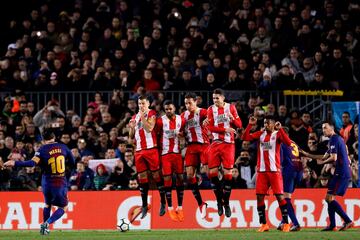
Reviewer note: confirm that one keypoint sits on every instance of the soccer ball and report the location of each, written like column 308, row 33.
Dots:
column 123, row 225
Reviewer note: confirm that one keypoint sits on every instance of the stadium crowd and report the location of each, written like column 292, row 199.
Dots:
column 145, row 46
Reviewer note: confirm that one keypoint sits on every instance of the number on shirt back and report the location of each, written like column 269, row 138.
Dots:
column 295, row 150
column 57, row 164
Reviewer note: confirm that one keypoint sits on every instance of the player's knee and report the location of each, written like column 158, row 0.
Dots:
column 213, row 173
column 143, row 180
column 143, row 175
column 329, row 198
column 167, row 182
column 228, row 176
column 156, row 176
column 179, row 180
column 191, row 179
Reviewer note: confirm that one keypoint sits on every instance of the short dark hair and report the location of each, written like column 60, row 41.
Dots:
column 48, row 134
column 346, row 112
column 168, row 102
column 219, row 91
column 143, row 97
column 270, row 117
column 190, row 95
column 328, row 122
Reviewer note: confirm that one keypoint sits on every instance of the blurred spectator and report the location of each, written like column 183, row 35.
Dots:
column 347, row 126
column 29, row 179
column 133, row 183
column 101, row 177
column 80, row 178
column 309, row 178
column 118, row 179
column 237, row 181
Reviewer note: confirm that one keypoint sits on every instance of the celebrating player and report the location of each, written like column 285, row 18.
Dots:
column 292, row 172
column 51, row 157
column 222, row 118
column 171, row 127
column 337, row 154
column 268, row 167
column 146, row 156
column 197, row 145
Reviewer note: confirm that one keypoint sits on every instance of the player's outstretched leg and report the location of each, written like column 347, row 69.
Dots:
column 296, row 226
column 44, row 227
column 338, row 209
column 46, row 212
column 227, row 191
column 216, row 185
column 144, row 190
column 160, row 186
column 284, row 212
column 264, row 227
column 180, row 196
column 168, row 194
column 192, row 183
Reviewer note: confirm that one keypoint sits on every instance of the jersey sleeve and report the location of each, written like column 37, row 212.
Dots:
column 182, row 129
column 151, row 114
column 283, row 137
column 36, row 158
column 247, row 136
column 158, row 125
column 203, row 114
column 332, row 145
column 236, row 121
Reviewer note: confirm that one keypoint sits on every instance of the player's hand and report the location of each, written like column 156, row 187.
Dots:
column 132, row 123
column 180, row 134
column 277, row 125
column 9, row 164
column 252, row 120
column 303, row 152
column 320, row 161
column 205, row 122
column 231, row 117
column 230, row 130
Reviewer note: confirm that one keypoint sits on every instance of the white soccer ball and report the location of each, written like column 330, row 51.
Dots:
column 123, row 225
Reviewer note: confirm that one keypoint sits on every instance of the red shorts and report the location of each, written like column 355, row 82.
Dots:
column 196, row 153
column 221, row 153
column 172, row 163
column 147, row 159
column 265, row 180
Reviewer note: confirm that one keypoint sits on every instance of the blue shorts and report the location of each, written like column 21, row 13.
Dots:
column 291, row 179
column 55, row 195
column 338, row 185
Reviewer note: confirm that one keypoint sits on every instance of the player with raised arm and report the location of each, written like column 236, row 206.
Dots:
column 223, row 119
column 171, row 127
column 146, row 153
column 292, row 172
column 338, row 155
column 197, row 145
column 52, row 158
column 268, row 167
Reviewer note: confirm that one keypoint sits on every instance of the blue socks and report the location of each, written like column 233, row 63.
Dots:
column 338, row 209
column 56, row 215
column 46, row 213
column 291, row 212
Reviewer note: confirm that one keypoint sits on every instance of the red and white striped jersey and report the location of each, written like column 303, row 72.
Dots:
column 269, row 145
column 143, row 139
column 220, row 118
column 195, row 132
column 169, row 130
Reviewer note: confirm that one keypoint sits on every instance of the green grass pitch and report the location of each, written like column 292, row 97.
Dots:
column 273, row 234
